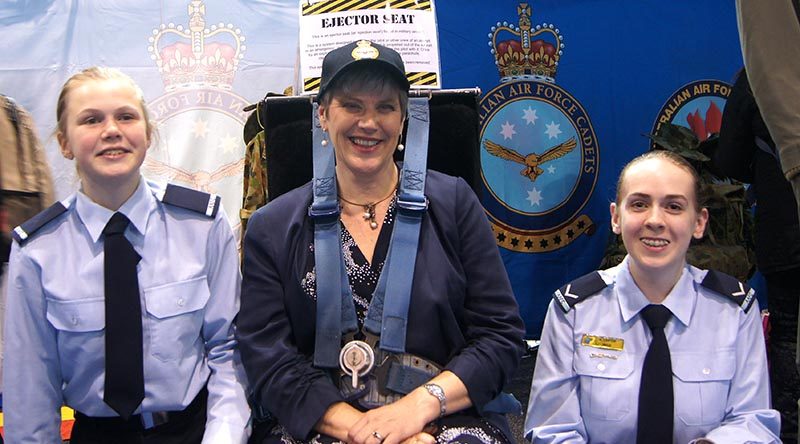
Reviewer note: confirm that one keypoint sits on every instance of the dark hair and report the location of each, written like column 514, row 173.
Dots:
column 676, row 160
column 364, row 78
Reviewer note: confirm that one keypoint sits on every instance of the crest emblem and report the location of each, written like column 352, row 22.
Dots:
column 364, row 50
column 697, row 105
column 539, row 152
column 200, row 118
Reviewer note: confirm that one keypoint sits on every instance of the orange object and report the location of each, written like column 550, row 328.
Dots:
column 67, row 421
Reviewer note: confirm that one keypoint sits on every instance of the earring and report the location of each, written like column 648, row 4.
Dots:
column 400, row 147
column 324, row 139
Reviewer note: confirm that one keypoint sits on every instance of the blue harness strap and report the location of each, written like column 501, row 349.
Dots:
column 402, row 256
column 335, row 310
column 324, row 211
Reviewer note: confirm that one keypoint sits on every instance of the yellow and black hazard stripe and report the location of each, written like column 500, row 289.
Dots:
column 422, row 78
column 414, row 78
column 311, row 84
column 327, row 6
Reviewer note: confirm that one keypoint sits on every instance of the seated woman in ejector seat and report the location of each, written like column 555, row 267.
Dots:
column 461, row 338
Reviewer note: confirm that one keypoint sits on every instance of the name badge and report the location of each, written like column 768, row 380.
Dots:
column 602, row 342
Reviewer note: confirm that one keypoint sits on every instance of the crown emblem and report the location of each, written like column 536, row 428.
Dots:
column 524, row 52
column 197, row 55
column 364, row 50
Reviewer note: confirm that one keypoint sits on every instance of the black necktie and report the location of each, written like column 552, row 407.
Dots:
column 124, row 384
column 655, row 393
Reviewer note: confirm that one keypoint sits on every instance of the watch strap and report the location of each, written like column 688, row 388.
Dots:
column 436, row 391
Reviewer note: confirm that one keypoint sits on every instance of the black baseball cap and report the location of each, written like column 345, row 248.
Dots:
column 340, row 59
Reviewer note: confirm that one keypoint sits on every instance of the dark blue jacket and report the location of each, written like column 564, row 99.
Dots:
column 462, row 315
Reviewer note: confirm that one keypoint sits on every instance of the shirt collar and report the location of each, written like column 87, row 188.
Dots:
column 680, row 300
column 136, row 209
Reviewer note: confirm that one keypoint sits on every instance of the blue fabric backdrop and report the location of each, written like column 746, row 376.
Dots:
column 621, row 63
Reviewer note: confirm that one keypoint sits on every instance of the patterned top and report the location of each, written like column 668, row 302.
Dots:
column 363, row 276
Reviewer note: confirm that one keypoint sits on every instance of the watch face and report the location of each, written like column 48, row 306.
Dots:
column 435, row 390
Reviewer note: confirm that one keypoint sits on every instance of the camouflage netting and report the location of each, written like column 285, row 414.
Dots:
column 727, row 245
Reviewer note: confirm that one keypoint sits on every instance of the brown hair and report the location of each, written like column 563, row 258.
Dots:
column 97, row 73
column 365, row 78
column 676, row 160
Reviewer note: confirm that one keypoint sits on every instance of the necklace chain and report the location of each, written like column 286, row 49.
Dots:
column 369, row 208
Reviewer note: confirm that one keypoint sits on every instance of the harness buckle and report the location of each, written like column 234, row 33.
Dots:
column 412, row 204
column 322, row 211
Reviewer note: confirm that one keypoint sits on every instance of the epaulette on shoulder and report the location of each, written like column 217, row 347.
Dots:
column 24, row 232
column 578, row 290
column 189, row 199
column 730, row 287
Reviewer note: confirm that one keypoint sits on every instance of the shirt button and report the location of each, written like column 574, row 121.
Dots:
column 75, row 320
column 601, row 366
column 706, row 371
column 181, row 302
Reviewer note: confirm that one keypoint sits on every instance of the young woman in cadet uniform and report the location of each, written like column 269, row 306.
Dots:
column 121, row 297
column 653, row 350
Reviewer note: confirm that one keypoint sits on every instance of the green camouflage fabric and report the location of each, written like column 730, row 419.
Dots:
column 728, row 244
column 255, row 178
column 254, row 183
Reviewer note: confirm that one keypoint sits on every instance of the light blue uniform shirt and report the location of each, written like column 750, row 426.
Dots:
column 55, row 317
column 582, row 393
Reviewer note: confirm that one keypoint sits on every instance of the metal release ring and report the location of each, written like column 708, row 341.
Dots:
column 366, row 352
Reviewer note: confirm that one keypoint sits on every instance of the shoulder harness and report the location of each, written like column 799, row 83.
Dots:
column 28, row 228
column 387, row 317
column 578, row 290
column 190, row 199
column 738, row 292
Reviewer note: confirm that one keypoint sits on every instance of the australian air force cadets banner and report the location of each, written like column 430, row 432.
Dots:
column 569, row 90
column 407, row 26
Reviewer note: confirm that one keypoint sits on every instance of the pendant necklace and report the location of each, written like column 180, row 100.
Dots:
column 369, row 208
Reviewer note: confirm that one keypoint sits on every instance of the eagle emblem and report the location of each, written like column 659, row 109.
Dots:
column 532, row 160
column 201, row 180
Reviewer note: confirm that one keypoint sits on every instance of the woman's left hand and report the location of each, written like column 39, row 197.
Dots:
column 400, row 422
column 405, row 419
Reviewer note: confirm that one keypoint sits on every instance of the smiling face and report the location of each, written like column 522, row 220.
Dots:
column 104, row 128
column 365, row 128
column 657, row 215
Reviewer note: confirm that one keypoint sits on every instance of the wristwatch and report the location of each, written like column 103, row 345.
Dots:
column 438, row 393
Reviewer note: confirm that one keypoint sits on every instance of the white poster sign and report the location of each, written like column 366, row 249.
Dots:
column 407, row 26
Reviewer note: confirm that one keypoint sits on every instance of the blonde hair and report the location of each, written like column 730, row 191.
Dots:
column 98, row 73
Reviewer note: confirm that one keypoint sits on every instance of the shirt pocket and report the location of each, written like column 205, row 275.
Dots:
column 80, row 326
column 175, row 316
column 702, row 381
column 77, row 316
column 605, row 382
